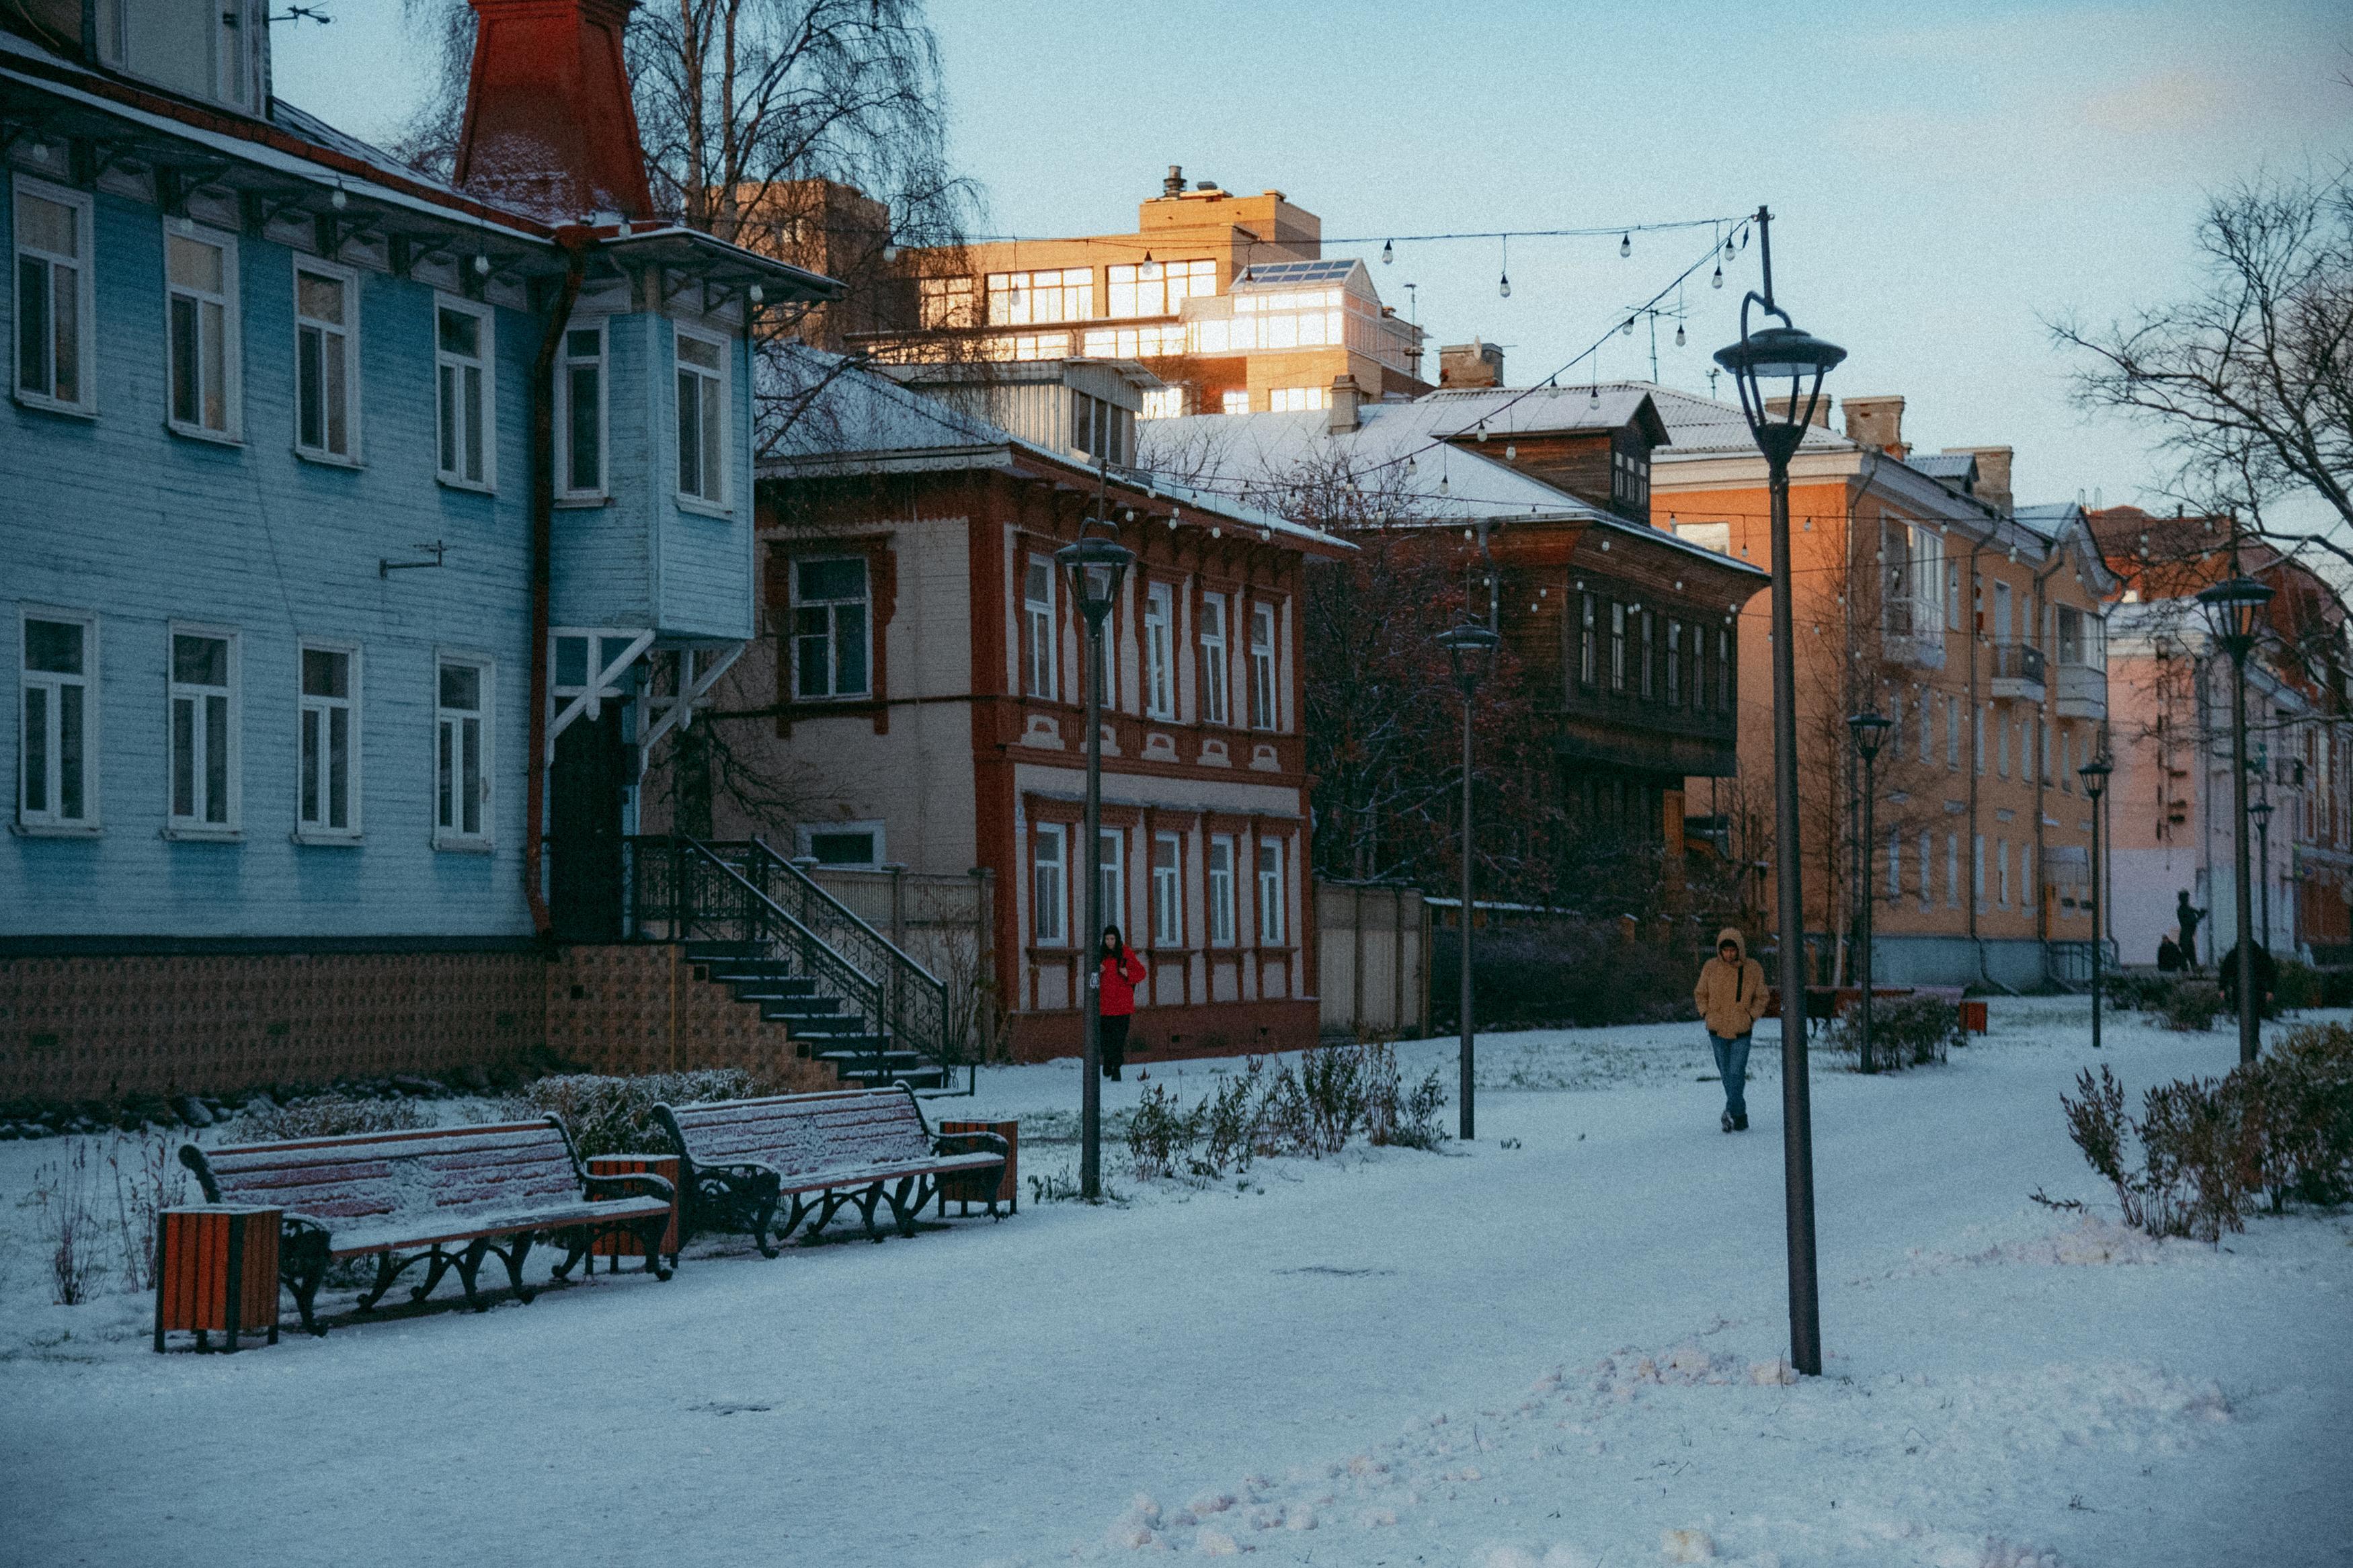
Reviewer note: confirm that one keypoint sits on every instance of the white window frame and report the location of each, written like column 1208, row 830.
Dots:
column 445, row 364
column 454, row 834
column 718, row 501
column 323, row 452
column 1041, row 653
column 807, row 832
column 1112, row 846
column 199, row 823
column 85, row 299
column 865, row 601
column 1050, row 885
column 1273, row 912
column 305, row 705
column 1167, row 891
column 1159, row 674
column 1221, row 911
column 1266, row 712
column 232, row 388
column 52, row 821
column 1217, row 707
column 566, row 363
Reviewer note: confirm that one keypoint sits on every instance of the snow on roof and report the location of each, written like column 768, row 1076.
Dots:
column 1505, row 410
column 1950, row 467
column 1707, row 427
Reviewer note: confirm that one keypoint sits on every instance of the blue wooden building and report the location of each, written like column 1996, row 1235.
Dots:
column 358, row 531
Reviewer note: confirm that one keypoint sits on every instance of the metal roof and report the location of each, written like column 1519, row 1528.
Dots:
column 1947, row 466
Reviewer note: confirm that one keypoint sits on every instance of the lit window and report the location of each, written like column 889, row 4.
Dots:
column 201, row 290
column 1167, row 891
column 830, row 621
column 58, row 784
column 461, row 781
column 702, row 420
column 1299, row 399
column 1270, row 906
column 1159, row 677
column 1134, row 342
column 1034, row 299
column 461, row 359
column 54, row 296
column 204, row 724
column 1164, row 402
column 1157, row 287
column 1221, row 890
column 945, row 302
column 328, row 806
column 326, row 352
column 1214, row 693
column 1038, row 627
column 1716, row 536
column 580, row 411
column 1050, row 885
column 1234, row 403
column 1262, row 659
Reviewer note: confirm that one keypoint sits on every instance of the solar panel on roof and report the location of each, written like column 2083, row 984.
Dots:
column 1285, row 274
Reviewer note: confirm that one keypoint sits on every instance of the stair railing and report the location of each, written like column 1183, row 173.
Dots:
column 698, row 894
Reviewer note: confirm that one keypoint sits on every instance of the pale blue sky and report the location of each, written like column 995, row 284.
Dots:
column 1941, row 177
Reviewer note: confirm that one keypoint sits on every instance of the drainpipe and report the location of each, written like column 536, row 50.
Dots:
column 575, row 244
column 2043, row 754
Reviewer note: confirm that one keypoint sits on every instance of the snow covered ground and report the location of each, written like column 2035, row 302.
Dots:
column 1560, row 1345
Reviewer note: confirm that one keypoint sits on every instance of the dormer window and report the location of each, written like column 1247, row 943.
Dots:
column 208, row 49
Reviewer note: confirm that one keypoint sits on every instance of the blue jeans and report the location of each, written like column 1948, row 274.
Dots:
column 1732, row 1061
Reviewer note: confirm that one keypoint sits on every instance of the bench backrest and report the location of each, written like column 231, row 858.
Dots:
column 806, row 1135
column 384, row 1177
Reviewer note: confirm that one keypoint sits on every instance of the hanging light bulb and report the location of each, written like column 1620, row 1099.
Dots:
column 1596, row 398
column 1512, row 452
column 890, row 254
column 1626, row 243
column 339, row 200
column 1717, row 281
column 1441, row 484
column 1679, row 334
column 1389, row 252
column 482, row 266
column 1483, row 431
column 1628, row 330
column 1504, row 286
column 1728, row 247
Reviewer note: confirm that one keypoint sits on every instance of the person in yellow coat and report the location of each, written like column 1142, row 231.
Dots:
column 1731, row 998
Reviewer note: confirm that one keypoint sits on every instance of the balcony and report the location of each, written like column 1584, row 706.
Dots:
column 2083, row 692
column 2018, row 671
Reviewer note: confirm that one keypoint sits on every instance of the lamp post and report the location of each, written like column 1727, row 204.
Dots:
column 1869, row 731
column 2235, row 609
column 1772, row 355
column 1096, row 563
column 2262, row 811
column 2095, row 775
column 1469, row 646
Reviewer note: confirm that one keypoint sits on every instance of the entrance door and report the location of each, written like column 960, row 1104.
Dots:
column 592, row 774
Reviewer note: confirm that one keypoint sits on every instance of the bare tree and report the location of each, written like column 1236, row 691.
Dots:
column 2250, row 379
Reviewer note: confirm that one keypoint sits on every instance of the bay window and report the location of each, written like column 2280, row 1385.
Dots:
column 702, row 420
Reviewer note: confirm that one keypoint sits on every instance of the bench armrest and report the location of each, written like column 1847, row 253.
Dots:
column 976, row 1142
column 636, row 1185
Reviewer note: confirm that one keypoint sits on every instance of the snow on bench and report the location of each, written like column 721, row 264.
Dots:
column 443, row 1197
column 739, row 1160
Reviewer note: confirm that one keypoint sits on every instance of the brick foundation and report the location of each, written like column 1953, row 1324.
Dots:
column 638, row 1008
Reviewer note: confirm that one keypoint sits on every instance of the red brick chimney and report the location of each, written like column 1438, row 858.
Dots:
column 549, row 129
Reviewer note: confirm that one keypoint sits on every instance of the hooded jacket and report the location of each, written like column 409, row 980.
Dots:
column 1731, row 996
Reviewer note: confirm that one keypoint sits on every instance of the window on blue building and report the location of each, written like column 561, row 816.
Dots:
column 830, row 628
column 201, row 281
column 204, row 730
column 461, row 780
column 702, row 420
column 580, row 411
column 329, row 743
column 326, row 353
column 463, row 394
column 53, row 296
column 58, row 786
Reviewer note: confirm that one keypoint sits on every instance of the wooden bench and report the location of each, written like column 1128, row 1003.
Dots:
column 443, row 1197
column 740, row 1160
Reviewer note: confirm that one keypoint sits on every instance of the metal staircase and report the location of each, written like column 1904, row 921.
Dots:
column 847, row 994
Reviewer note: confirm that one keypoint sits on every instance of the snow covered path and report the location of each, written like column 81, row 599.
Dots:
column 2002, row 1384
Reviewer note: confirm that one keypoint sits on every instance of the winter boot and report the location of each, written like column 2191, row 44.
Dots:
column 1740, row 1124
column 1727, row 1122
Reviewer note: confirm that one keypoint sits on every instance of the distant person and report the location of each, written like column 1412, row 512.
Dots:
column 2186, row 919
column 2168, row 954
column 1116, row 998
column 2266, row 979
column 1731, row 998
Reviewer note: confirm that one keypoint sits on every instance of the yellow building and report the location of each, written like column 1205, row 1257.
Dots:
column 1229, row 299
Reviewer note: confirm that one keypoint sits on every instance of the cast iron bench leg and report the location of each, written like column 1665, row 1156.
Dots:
column 902, row 1212
column 576, row 1241
column 433, row 1273
column 866, row 1203
column 469, row 1263
column 512, row 1258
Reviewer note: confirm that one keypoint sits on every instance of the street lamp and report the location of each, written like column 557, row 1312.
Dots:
column 2262, row 811
column 1769, row 356
column 1471, row 647
column 2235, row 608
column 2095, row 775
column 1869, row 731
column 1096, row 562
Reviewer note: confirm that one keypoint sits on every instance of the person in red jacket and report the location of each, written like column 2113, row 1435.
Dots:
column 1116, row 998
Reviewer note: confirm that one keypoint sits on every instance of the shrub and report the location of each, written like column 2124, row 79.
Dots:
column 2191, row 1004
column 1905, row 1031
column 616, row 1115
column 2297, row 1104
column 1229, row 1122
column 2294, row 985
column 1312, row 1109
column 1394, row 1114
column 66, row 1191
column 1159, row 1132
column 329, row 1115
column 148, row 1179
column 2142, row 993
